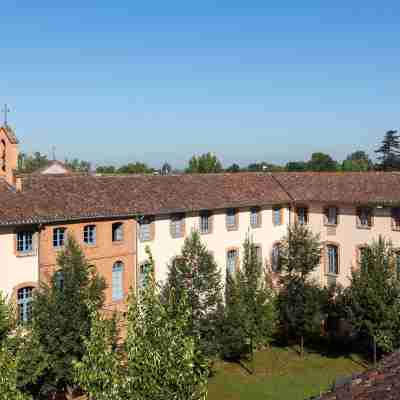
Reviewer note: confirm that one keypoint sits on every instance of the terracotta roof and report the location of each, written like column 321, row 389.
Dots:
column 382, row 383
column 10, row 134
column 345, row 187
column 46, row 198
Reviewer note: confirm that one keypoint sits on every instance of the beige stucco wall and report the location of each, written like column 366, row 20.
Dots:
column 349, row 237
column 164, row 247
column 15, row 270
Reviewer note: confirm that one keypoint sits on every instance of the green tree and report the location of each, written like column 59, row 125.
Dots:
column 28, row 163
column 322, row 162
column 300, row 300
column 233, row 168
column 135, row 168
column 6, row 320
column 195, row 274
column 300, row 252
column 78, row 165
column 166, row 169
column 101, row 372
column 301, row 309
column 160, row 361
column 264, row 167
column 9, row 376
column 204, row 164
column 374, row 297
column 106, row 169
column 61, row 317
column 252, row 306
column 296, row 166
column 233, row 337
column 357, row 161
column 389, row 152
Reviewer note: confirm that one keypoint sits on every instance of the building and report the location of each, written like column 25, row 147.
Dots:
column 115, row 218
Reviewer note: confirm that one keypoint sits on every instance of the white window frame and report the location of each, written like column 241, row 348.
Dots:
column 89, row 235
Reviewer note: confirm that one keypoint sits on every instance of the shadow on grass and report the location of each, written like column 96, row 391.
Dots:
column 330, row 348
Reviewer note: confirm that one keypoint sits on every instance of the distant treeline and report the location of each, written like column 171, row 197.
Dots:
column 387, row 159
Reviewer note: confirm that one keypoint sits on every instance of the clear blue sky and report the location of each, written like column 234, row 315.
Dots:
column 115, row 81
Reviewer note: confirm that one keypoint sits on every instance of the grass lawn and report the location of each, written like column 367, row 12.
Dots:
column 280, row 374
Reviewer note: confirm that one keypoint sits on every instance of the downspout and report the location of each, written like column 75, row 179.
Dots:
column 40, row 228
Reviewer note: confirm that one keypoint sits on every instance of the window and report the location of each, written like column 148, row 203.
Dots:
column 117, row 281
column 258, row 252
column 396, row 218
column 205, row 222
column 302, row 215
column 364, row 217
column 145, row 229
column 24, row 302
column 59, row 280
column 331, row 216
column 275, row 257
column 231, row 261
column 58, row 237
column 333, row 259
column 277, row 216
column 89, row 234
column 117, row 232
column 362, row 252
column 231, row 219
column 177, row 225
column 143, row 274
column 24, row 242
column 255, row 217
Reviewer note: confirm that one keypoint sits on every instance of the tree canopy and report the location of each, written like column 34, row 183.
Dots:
column 389, row 152
column 61, row 318
column 204, row 164
column 195, row 274
column 374, row 296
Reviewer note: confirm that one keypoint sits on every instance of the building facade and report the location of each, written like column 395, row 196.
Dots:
column 116, row 218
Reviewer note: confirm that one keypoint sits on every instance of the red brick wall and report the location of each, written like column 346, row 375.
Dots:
column 103, row 254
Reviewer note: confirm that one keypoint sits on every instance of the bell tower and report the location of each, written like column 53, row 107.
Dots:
column 8, row 151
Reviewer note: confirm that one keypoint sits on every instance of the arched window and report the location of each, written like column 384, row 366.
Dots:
column 332, row 259
column 231, row 261
column 275, row 257
column 59, row 280
column 24, row 301
column 117, row 281
column 143, row 274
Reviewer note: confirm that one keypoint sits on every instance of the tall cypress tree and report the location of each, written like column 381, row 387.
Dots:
column 301, row 301
column 61, row 318
column 249, row 315
column 389, row 152
column 374, row 297
column 195, row 274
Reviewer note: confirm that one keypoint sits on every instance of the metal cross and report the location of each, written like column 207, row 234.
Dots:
column 5, row 110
